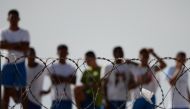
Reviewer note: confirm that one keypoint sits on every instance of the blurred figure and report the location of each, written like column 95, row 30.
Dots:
column 118, row 80
column 91, row 83
column 178, row 79
column 16, row 41
column 145, row 74
column 62, row 75
column 35, row 79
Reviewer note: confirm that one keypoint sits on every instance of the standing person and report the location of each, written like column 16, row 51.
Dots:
column 144, row 73
column 35, row 78
column 16, row 41
column 118, row 80
column 178, row 79
column 62, row 75
column 91, row 83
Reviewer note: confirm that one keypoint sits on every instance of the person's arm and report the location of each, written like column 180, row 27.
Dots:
column 21, row 46
column 8, row 46
column 105, row 96
column 188, row 91
column 47, row 74
column 56, row 79
column 83, row 78
column 45, row 92
column 162, row 64
column 132, row 83
column 173, row 79
column 105, row 79
column 131, row 62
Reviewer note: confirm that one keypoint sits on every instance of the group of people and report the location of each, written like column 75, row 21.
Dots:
column 122, row 80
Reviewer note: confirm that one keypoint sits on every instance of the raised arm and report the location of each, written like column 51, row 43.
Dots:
column 132, row 83
column 174, row 78
column 162, row 64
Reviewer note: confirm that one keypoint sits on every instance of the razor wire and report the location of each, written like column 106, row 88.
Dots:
column 78, row 63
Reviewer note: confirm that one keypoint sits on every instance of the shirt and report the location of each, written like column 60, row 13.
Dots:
column 62, row 91
column 90, row 77
column 117, row 86
column 177, row 101
column 35, row 80
column 18, row 36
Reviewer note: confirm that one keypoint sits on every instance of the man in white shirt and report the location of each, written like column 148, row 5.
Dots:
column 118, row 80
column 16, row 41
column 178, row 79
column 62, row 75
column 35, row 79
column 146, row 77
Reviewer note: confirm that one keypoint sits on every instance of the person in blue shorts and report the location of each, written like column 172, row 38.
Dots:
column 16, row 41
column 147, row 75
column 62, row 75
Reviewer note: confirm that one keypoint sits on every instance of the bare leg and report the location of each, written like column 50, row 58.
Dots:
column 79, row 95
column 6, row 96
column 24, row 98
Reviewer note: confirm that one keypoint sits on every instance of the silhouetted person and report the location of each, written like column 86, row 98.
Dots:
column 62, row 75
column 16, row 41
column 118, row 80
column 144, row 75
column 178, row 79
column 35, row 80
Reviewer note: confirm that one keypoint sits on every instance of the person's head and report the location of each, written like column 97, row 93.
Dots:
column 62, row 51
column 90, row 58
column 13, row 17
column 118, row 52
column 181, row 58
column 31, row 54
column 144, row 56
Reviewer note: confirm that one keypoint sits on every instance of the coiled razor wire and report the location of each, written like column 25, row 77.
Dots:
column 78, row 66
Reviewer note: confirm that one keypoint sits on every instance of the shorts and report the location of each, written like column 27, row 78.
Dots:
column 61, row 104
column 14, row 75
column 141, row 103
column 88, row 103
column 32, row 105
column 117, row 104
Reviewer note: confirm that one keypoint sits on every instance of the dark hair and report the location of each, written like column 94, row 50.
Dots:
column 119, row 51
column 62, row 46
column 143, row 50
column 31, row 51
column 181, row 54
column 13, row 11
column 90, row 54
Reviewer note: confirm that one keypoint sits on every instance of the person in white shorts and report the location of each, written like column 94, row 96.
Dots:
column 146, row 75
column 16, row 41
column 35, row 80
column 62, row 75
column 178, row 78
